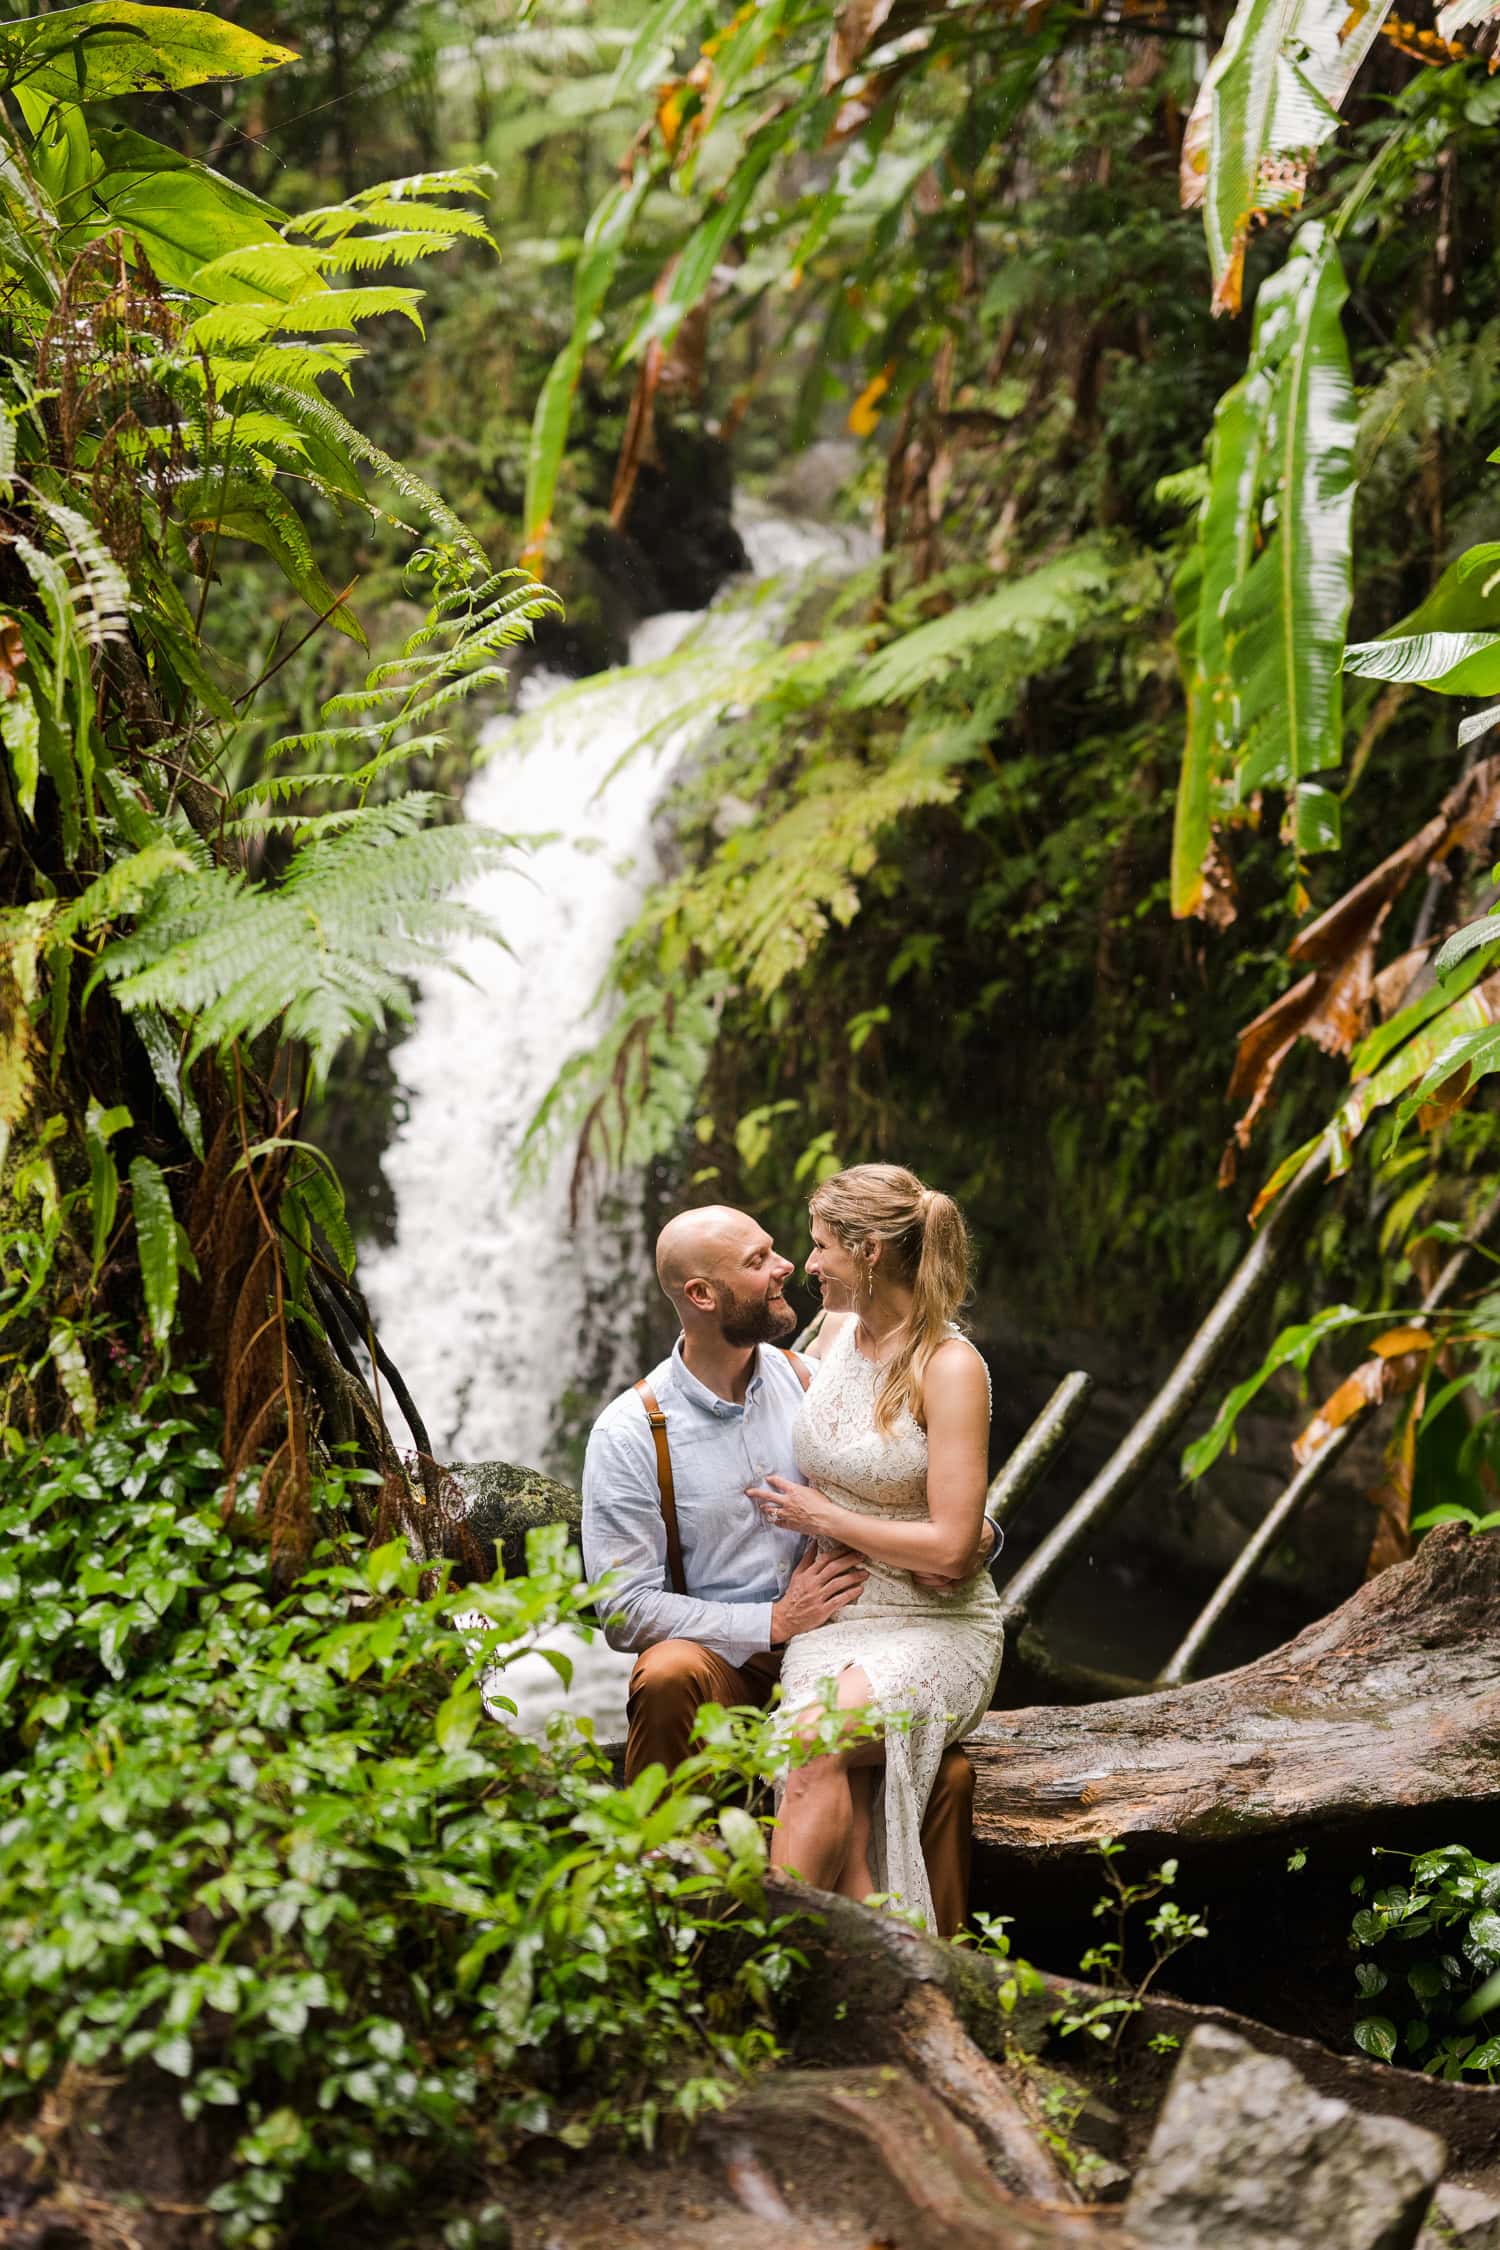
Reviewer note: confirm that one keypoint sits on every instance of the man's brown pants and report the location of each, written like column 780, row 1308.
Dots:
column 672, row 1679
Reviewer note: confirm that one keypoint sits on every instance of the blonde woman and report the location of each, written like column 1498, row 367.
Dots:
column 892, row 1439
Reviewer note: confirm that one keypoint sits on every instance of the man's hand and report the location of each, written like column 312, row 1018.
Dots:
column 984, row 1547
column 819, row 1587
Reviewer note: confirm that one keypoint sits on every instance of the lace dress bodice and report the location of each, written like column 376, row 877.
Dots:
column 840, row 1450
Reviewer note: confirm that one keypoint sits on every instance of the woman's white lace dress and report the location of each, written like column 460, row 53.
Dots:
column 933, row 1656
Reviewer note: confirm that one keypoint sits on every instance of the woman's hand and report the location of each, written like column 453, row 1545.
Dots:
column 792, row 1507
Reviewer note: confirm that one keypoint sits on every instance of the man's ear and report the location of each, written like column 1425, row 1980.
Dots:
column 700, row 1295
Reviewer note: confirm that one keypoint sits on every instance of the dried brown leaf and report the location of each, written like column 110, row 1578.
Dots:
column 854, row 27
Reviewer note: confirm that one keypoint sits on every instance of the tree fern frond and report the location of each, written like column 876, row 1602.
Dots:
column 1058, row 601
column 247, row 326
column 277, row 788
column 122, row 889
column 310, row 410
column 371, row 253
column 426, row 706
column 294, row 369
column 474, row 597
column 101, row 595
column 324, row 951
column 273, row 269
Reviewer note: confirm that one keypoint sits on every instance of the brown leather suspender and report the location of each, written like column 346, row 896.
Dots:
column 666, row 1488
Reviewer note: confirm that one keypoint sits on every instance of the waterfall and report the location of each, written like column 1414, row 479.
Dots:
column 505, row 1318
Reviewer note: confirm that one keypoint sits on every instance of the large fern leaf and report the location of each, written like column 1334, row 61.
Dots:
column 1055, row 603
column 324, row 953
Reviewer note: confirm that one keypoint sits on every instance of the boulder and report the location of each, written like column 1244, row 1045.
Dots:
column 1247, row 2156
column 1461, row 2218
column 501, row 1503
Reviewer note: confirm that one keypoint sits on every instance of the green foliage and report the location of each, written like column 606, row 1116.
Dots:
column 111, row 47
column 161, row 872
column 1270, row 98
column 274, row 1850
column 1166, row 1929
column 1294, row 1347
column 1267, row 594
column 1429, row 1950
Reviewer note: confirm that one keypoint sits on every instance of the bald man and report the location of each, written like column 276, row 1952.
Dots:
column 728, row 1394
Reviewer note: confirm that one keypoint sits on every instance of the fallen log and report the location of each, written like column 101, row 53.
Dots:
column 1378, row 1727
column 1391, row 1703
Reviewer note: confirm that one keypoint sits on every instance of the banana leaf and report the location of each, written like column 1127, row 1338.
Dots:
column 1449, row 663
column 607, row 233
column 1272, row 95
column 1284, row 623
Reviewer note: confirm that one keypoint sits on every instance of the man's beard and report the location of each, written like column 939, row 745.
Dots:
column 753, row 1320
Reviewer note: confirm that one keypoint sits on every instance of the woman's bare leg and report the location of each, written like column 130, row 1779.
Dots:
column 816, row 1829
column 858, row 1880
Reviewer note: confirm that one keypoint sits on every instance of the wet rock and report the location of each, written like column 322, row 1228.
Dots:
column 1461, row 2219
column 1247, row 2156
column 502, row 1503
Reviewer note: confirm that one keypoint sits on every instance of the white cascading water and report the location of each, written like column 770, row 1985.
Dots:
column 490, row 1301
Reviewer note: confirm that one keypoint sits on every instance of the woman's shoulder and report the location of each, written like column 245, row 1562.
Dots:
column 830, row 1328
column 956, row 1370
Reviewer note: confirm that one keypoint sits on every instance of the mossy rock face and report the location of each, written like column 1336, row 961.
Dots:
column 502, row 1503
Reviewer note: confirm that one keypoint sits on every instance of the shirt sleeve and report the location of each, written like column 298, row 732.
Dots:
column 623, row 1533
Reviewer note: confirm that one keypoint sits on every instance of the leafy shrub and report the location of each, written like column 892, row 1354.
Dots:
column 1440, row 1994
column 274, row 1849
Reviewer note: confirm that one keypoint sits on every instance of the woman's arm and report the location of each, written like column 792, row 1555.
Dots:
column 957, row 1405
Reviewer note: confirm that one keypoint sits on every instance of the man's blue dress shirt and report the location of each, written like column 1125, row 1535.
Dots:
column 736, row 1564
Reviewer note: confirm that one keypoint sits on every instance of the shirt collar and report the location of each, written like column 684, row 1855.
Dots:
column 698, row 1394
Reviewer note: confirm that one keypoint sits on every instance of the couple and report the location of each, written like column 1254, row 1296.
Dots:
column 767, row 1516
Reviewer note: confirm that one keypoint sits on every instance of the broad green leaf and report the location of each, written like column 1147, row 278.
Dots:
column 1451, row 663
column 1294, row 1347
column 324, row 1199
column 99, row 1128
column 457, row 1718
column 237, row 507
column 1192, row 818
column 1428, row 1050
column 20, row 729
column 650, row 51
column 156, row 1241
column 1227, row 541
column 1285, row 622
column 694, row 267
column 1385, row 1038
column 1271, row 97
column 1466, row 599
column 1474, row 1053
column 112, row 47
column 1377, row 2036
column 182, row 214
column 605, row 238
column 163, row 1049
column 744, row 1836
column 1465, row 942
